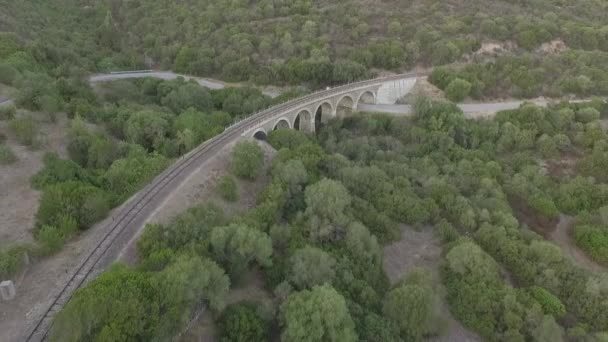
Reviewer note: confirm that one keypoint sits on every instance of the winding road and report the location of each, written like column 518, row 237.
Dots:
column 470, row 109
column 4, row 101
column 169, row 75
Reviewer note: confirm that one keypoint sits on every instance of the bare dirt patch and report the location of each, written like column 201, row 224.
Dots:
column 490, row 50
column 422, row 249
column 532, row 218
column 38, row 285
column 18, row 201
column 553, row 47
column 495, row 49
column 562, row 237
column 415, row 249
column 563, row 167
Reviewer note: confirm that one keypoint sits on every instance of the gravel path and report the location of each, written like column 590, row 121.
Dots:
column 169, row 75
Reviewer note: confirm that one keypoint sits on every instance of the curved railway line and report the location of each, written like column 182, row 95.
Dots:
column 145, row 198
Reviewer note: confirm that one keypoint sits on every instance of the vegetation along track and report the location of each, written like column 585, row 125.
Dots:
column 144, row 197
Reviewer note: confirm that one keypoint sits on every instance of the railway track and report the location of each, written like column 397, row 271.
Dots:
column 175, row 172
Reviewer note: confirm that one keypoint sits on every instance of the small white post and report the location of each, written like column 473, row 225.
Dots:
column 7, row 290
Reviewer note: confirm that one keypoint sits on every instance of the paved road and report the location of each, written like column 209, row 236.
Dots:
column 472, row 109
column 5, row 101
column 169, row 75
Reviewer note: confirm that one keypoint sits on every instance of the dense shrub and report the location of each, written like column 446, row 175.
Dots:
column 228, row 189
column 242, row 322
column 52, row 238
column 82, row 202
column 247, row 160
column 551, row 305
column 593, row 239
column 457, row 90
column 11, row 260
column 571, row 72
column 324, row 302
column 8, row 74
column 160, row 302
column 25, row 129
column 58, row 170
column 287, row 138
column 7, row 156
column 411, row 307
column 7, row 112
column 127, row 175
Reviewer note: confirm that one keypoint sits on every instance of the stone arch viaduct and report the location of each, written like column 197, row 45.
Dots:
column 310, row 112
column 306, row 113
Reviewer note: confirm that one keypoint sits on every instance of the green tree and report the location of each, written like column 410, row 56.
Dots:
column 348, row 71
column 236, row 246
column 79, row 142
column 411, row 306
column 58, row 170
column 85, row 203
column 127, row 175
column 363, row 245
column 315, row 315
column 8, row 74
column 242, row 323
column 548, row 331
column 7, row 112
column 326, row 202
column 184, row 284
column 7, row 156
column 587, row 114
column 292, row 173
column 228, row 188
column 310, row 266
column 184, row 60
column 26, row 130
column 188, row 95
column 551, row 305
column 458, row 90
column 147, row 128
column 287, row 138
column 119, row 305
column 247, row 160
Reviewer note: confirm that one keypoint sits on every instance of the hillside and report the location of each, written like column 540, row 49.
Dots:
column 430, row 225
column 297, row 41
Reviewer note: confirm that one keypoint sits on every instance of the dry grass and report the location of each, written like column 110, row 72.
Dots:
column 18, row 201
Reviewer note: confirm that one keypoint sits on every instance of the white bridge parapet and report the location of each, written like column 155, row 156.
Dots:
column 390, row 92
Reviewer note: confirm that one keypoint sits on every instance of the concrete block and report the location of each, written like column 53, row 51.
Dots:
column 7, row 290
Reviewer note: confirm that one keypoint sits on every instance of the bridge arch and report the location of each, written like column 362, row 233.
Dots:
column 323, row 113
column 303, row 121
column 260, row 134
column 345, row 106
column 366, row 97
column 281, row 123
